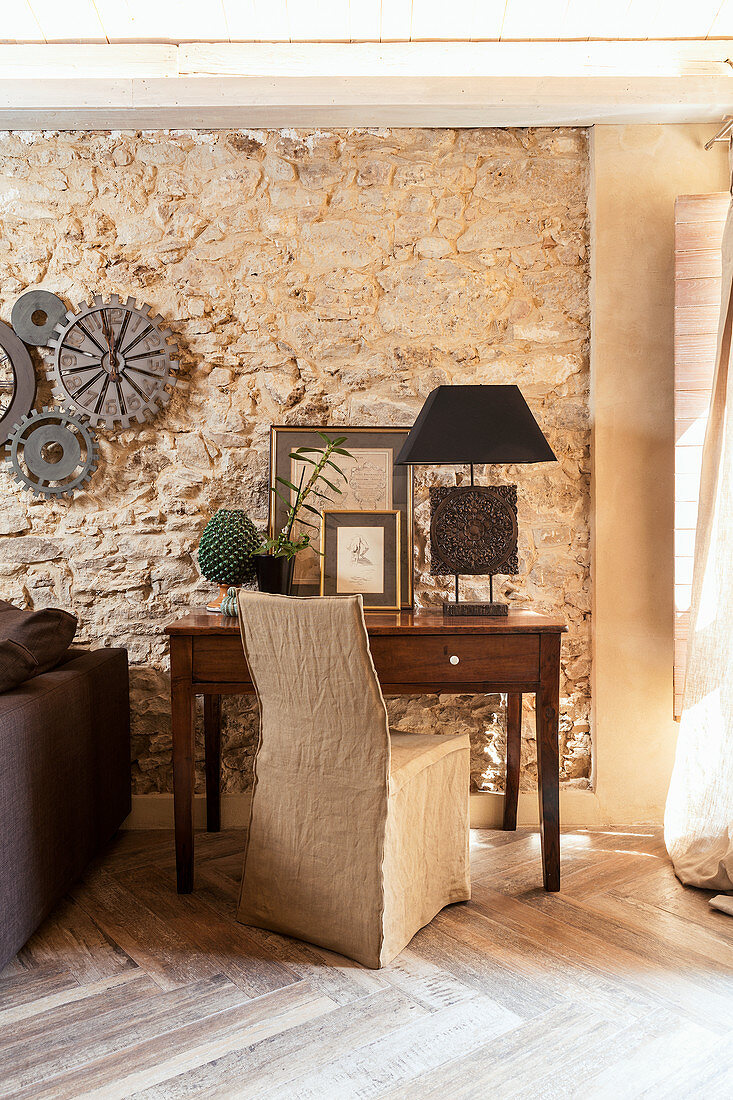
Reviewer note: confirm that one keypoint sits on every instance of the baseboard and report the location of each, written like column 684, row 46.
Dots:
column 155, row 811
column 578, row 808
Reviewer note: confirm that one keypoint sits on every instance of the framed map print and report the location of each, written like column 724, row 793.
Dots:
column 361, row 553
column 373, row 483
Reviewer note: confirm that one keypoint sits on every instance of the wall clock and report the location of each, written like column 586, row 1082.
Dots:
column 112, row 362
column 17, row 382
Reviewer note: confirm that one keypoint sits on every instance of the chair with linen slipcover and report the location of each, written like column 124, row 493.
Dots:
column 357, row 838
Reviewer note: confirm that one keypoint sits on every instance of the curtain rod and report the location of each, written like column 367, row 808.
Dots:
column 723, row 134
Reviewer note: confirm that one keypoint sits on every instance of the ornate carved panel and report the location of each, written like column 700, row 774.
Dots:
column 473, row 529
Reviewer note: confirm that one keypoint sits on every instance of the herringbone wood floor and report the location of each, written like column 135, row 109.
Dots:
column 620, row 986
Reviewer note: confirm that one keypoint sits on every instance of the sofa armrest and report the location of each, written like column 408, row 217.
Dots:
column 64, row 783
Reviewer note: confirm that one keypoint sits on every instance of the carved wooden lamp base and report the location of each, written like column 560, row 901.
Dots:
column 467, row 607
column 475, row 607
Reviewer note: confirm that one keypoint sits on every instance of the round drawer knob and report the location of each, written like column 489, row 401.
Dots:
column 454, row 660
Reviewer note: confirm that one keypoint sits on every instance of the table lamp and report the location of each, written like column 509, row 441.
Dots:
column 473, row 528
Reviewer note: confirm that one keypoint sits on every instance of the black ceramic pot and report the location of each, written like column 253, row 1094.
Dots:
column 274, row 574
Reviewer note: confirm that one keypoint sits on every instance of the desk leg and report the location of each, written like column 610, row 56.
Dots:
column 182, row 731
column 513, row 758
column 212, row 739
column 548, row 764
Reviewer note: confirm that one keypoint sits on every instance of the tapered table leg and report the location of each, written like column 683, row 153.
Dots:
column 513, row 758
column 212, row 740
column 548, row 768
column 182, row 731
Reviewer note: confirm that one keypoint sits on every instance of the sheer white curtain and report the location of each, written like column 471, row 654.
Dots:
column 698, row 821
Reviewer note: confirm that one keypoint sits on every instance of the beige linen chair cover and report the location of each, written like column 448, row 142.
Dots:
column 354, row 842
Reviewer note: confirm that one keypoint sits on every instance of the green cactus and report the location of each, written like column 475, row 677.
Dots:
column 227, row 544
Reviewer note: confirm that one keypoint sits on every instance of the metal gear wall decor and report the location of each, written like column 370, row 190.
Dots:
column 112, row 362
column 17, row 382
column 52, row 453
column 35, row 316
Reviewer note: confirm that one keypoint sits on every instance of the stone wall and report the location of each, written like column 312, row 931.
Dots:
column 309, row 278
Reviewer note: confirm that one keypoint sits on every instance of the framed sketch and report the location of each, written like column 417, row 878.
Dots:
column 361, row 553
column 373, row 483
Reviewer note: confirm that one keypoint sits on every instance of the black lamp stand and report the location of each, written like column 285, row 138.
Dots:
column 475, row 607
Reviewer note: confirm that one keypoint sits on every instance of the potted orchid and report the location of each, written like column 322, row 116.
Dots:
column 275, row 562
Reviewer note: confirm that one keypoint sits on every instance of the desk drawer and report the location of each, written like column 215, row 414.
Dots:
column 219, row 659
column 400, row 659
column 431, row 659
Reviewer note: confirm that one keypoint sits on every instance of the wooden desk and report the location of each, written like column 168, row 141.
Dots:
column 413, row 653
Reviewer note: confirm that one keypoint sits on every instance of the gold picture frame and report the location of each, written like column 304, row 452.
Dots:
column 381, row 486
column 365, row 560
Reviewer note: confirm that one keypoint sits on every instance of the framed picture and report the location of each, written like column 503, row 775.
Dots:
column 373, row 483
column 361, row 553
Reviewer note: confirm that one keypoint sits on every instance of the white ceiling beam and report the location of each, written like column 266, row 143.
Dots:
column 426, row 59
column 88, row 62
column 407, row 59
column 430, row 84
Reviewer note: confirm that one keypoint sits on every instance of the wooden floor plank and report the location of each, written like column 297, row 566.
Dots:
column 71, row 934
column 513, row 1062
column 273, row 1064
column 152, row 1016
column 621, row 984
column 26, row 986
column 35, row 1006
column 406, row 1053
column 696, row 992
column 211, row 937
column 664, row 891
column 188, row 1045
column 140, row 933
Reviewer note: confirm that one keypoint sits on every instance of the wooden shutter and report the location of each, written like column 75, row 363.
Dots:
column 699, row 221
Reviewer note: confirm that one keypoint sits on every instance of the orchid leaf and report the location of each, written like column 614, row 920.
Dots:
column 331, row 485
column 288, row 484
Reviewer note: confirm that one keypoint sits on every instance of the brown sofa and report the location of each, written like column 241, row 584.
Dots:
column 64, row 782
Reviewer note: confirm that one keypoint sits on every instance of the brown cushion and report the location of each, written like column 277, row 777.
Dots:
column 31, row 642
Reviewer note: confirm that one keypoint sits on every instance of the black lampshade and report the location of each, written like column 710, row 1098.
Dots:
column 474, row 424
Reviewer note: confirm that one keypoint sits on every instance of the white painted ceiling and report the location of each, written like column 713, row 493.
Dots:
column 118, row 21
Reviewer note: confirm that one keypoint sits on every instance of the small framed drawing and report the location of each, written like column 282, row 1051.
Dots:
column 373, row 482
column 361, row 553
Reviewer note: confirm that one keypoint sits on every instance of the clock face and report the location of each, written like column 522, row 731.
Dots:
column 113, row 363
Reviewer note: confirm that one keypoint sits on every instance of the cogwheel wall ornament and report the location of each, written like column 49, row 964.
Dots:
column 112, row 362
column 17, row 382
column 35, row 315
column 52, row 453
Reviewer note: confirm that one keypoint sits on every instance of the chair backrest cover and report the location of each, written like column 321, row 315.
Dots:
column 319, row 806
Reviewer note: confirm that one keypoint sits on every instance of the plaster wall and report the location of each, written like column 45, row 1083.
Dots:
column 637, row 173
